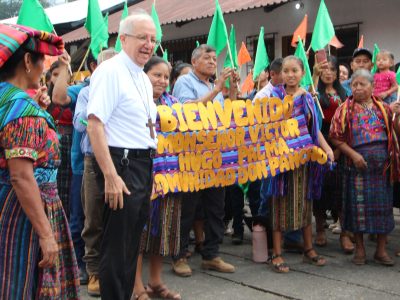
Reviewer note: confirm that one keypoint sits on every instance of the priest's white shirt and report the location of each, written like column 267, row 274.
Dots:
column 121, row 96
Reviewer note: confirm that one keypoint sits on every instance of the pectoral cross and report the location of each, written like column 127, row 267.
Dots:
column 151, row 127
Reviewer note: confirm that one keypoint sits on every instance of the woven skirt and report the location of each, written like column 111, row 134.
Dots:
column 293, row 211
column 161, row 235
column 368, row 195
column 20, row 276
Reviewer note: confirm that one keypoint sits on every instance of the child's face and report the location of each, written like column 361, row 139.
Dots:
column 276, row 77
column 383, row 61
column 292, row 73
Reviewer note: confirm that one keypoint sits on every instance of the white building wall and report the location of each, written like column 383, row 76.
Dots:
column 380, row 22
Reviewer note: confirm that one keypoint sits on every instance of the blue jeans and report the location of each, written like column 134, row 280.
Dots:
column 77, row 218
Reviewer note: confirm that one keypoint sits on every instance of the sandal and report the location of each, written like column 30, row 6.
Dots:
column 316, row 260
column 320, row 239
column 162, row 291
column 142, row 296
column 384, row 260
column 278, row 267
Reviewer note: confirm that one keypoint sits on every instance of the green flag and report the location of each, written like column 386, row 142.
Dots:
column 218, row 36
column 125, row 13
column 32, row 14
column 232, row 45
column 261, row 61
column 97, row 27
column 156, row 21
column 228, row 63
column 301, row 53
column 197, row 44
column 376, row 51
column 398, row 76
column 323, row 29
column 165, row 55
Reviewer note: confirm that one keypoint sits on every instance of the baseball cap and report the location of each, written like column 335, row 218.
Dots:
column 362, row 51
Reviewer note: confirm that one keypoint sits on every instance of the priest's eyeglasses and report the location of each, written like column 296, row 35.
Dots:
column 144, row 38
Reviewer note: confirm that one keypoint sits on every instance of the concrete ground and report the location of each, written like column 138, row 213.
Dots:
column 339, row 279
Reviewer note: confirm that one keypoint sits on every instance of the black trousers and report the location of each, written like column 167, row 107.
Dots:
column 213, row 202
column 123, row 228
column 234, row 204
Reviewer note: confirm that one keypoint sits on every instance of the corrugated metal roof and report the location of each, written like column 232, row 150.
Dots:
column 174, row 11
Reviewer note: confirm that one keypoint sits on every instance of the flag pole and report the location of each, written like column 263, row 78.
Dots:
column 83, row 61
column 314, row 95
column 397, row 100
column 161, row 48
column 233, row 65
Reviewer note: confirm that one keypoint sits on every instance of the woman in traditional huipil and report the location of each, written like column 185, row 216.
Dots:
column 363, row 130
column 37, row 259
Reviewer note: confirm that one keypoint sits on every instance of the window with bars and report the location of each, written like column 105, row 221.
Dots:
column 251, row 45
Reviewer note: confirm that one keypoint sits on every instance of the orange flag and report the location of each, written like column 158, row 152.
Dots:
column 248, row 84
column 361, row 43
column 243, row 55
column 301, row 31
column 335, row 42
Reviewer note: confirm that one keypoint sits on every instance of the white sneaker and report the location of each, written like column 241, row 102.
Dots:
column 337, row 229
column 334, row 225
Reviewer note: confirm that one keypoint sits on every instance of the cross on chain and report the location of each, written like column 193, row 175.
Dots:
column 151, row 127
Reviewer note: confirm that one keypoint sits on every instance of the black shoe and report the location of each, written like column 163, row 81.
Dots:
column 83, row 276
column 237, row 239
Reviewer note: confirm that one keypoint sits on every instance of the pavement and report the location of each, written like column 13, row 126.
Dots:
column 339, row 279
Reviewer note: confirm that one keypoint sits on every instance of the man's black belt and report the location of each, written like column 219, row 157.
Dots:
column 126, row 153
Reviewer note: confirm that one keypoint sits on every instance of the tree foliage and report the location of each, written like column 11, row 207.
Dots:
column 10, row 8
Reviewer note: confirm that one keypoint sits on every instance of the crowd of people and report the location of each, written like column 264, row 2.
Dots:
column 92, row 221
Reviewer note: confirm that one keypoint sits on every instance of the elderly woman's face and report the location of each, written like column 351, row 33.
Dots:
column 361, row 88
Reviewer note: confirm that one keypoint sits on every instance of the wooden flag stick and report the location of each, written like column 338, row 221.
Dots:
column 316, row 100
column 397, row 100
column 83, row 61
column 233, row 65
column 161, row 48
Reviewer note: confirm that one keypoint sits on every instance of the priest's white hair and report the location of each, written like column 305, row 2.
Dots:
column 126, row 26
